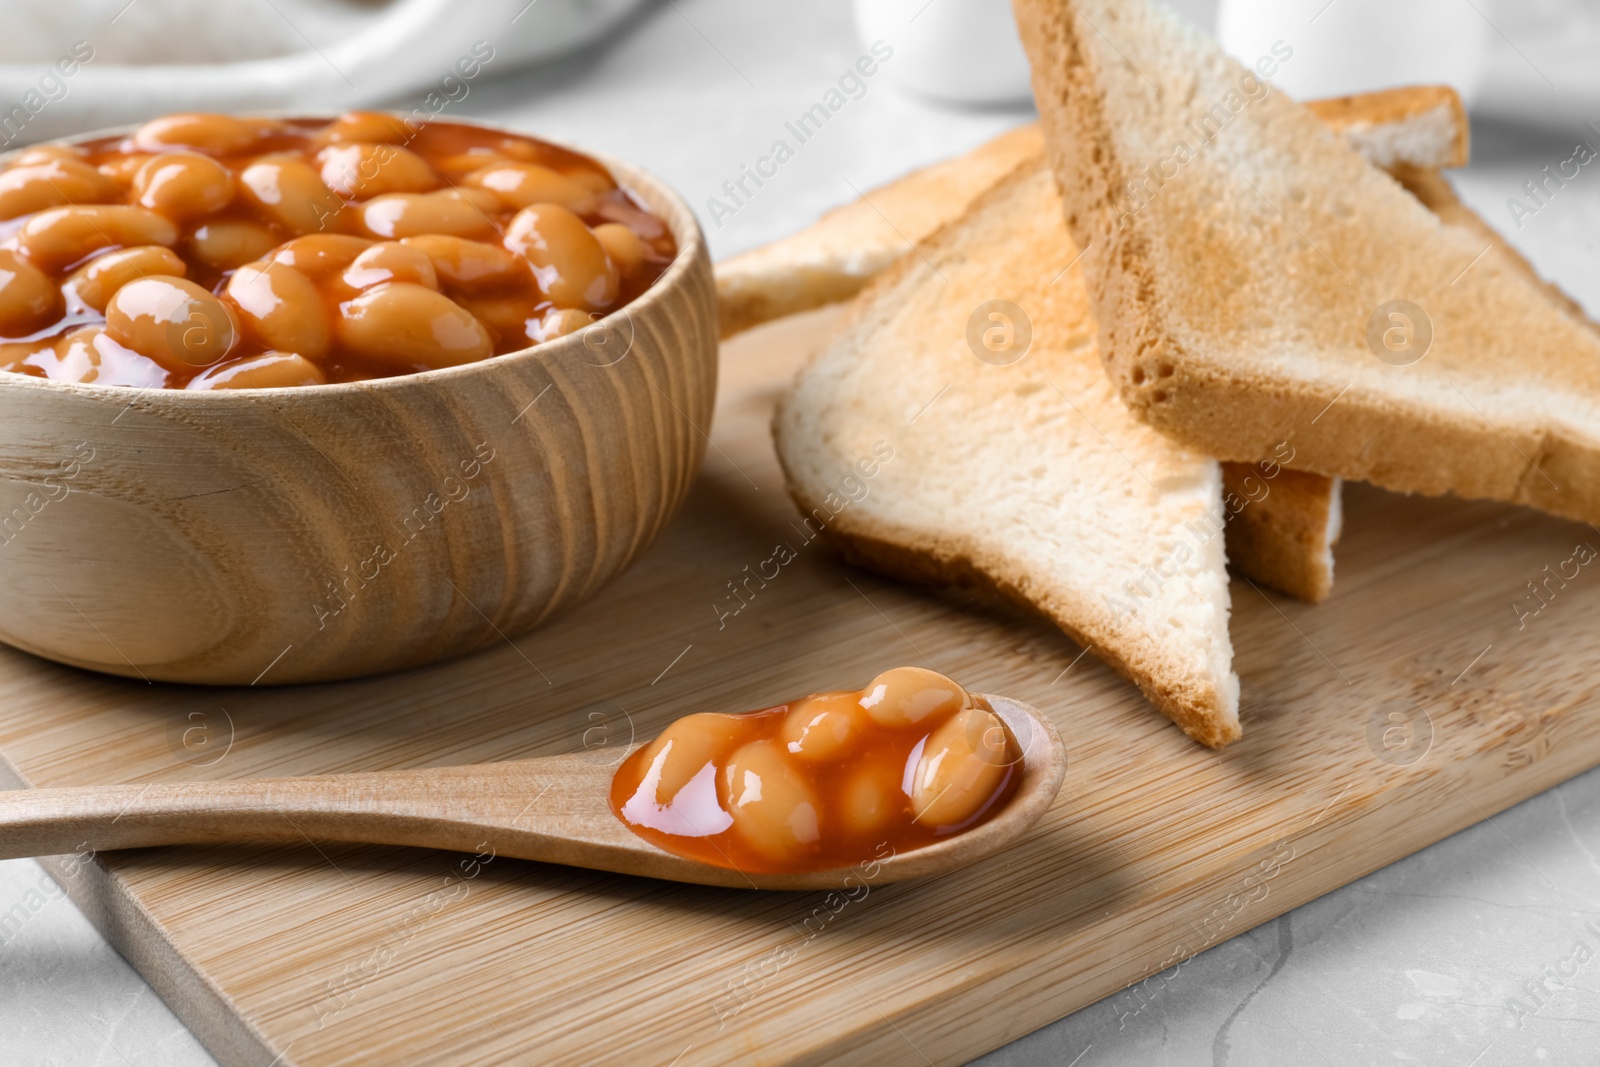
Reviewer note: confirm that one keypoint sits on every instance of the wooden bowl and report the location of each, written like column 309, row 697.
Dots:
column 295, row 535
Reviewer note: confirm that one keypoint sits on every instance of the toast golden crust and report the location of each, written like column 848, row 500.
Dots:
column 1282, row 536
column 1051, row 494
column 831, row 260
column 1382, row 125
column 1439, row 196
column 1195, row 709
column 1249, row 300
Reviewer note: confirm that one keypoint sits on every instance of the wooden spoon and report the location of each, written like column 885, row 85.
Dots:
column 553, row 809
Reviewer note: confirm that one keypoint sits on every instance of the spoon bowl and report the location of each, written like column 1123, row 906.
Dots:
column 553, row 809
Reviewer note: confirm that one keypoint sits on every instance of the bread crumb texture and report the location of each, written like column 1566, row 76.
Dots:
column 1029, row 476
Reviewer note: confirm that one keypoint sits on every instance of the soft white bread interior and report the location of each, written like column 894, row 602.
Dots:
column 1413, row 126
column 1030, row 477
column 829, row 261
column 1276, row 542
column 1257, row 281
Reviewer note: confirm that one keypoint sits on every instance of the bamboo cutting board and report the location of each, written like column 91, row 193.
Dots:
column 1420, row 699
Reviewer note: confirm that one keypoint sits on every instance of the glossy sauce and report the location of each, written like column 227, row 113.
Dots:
column 823, row 782
column 206, row 251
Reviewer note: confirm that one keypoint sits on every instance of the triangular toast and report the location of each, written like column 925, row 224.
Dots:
column 1418, row 126
column 1028, row 476
column 1258, row 282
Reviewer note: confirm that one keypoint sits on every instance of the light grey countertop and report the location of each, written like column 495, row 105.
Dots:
column 1426, row 961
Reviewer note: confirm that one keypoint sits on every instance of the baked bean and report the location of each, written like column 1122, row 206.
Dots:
column 280, row 308
column 461, row 164
column 46, row 153
column 24, row 190
column 558, row 322
column 121, row 169
column 405, row 324
column 906, row 696
column 89, row 354
column 62, row 236
column 269, row 370
column 774, row 811
column 78, row 357
column 520, row 185
column 624, row 247
column 98, row 279
column 567, row 260
column 172, row 321
column 510, row 317
column 289, row 193
column 454, row 212
column 818, row 783
column 871, row 799
column 592, row 180
column 321, row 253
column 822, row 726
column 29, row 298
column 651, row 230
column 374, row 127
column 962, row 765
column 515, row 148
column 482, row 199
column 224, row 244
column 215, row 135
column 183, row 185
column 470, row 265
column 686, row 749
column 17, row 356
column 390, row 261
column 200, row 242
column 363, row 170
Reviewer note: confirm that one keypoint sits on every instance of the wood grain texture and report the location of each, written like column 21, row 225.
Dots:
column 287, row 535
column 553, row 809
column 1155, row 848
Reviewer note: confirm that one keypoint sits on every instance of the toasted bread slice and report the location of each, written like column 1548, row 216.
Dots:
column 1284, row 537
column 1257, row 281
column 834, row 258
column 1422, row 127
column 1283, row 526
column 1437, row 194
column 1032, row 477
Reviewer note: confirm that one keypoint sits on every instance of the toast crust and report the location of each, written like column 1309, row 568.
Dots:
column 835, row 257
column 1439, row 196
column 831, row 260
column 1279, row 353
column 1283, row 536
column 1194, row 709
column 816, row 419
column 1382, row 125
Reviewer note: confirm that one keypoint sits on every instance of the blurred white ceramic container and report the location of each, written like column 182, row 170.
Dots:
column 1353, row 46
column 955, row 51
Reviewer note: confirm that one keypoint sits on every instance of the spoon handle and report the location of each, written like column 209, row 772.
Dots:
column 385, row 807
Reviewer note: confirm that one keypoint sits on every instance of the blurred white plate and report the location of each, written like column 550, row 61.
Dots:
column 150, row 57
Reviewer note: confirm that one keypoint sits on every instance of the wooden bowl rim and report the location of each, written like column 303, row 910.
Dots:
column 672, row 208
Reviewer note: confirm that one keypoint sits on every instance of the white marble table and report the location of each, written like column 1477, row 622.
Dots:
column 1422, row 962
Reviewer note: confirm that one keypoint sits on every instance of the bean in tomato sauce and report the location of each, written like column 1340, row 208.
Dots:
column 822, row 782
column 218, row 252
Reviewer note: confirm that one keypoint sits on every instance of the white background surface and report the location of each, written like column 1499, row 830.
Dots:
column 1414, row 964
